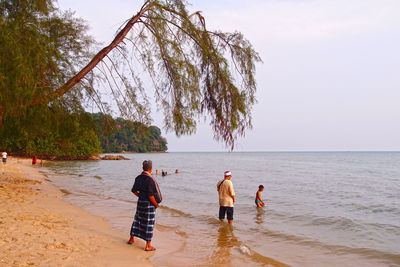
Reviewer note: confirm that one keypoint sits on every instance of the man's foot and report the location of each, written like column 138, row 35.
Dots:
column 131, row 240
column 149, row 249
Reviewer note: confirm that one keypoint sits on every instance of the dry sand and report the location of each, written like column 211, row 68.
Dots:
column 38, row 228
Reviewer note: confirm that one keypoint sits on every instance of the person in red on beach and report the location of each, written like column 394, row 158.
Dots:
column 34, row 160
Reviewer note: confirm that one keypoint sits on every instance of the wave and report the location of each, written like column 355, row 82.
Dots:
column 259, row 258
column 335, row 222
column 340, row 223
column 338, row 249
column 65, row 192
column 176, row 211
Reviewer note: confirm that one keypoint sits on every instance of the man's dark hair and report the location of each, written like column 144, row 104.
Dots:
column 260, row 186
column 147, row 165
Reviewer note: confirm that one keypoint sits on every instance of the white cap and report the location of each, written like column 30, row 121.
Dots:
column 228, row 173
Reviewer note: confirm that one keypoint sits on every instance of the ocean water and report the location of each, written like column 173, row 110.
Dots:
column 322, row 208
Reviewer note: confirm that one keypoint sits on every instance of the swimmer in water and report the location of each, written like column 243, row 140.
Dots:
column 258, row 200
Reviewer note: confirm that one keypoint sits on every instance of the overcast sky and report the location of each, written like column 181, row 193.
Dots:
column 330, row 78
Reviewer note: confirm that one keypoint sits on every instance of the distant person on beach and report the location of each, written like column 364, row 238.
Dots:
column 34, row 160
column 258, row 200
column 176, row 171
column 146, row 188
column 226, row 197
column 157, row 172
column 163, row 173
column 4, row 154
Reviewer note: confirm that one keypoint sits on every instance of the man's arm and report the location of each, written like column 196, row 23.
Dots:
column 232, row 191
column 151, row 191
column 153, row 201
column 135, row 187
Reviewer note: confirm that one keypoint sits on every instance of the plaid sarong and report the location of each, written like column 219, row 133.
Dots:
column 143, row 224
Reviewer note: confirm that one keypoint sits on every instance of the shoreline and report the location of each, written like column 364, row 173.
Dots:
column 39, row 228
column 180, row 240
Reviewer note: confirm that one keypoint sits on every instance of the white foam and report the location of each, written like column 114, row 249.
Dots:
column 245, row 250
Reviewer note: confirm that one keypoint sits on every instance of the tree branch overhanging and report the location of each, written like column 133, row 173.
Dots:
column 190, row 67
column 96, row 59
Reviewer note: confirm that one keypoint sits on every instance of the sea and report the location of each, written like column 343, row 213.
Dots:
column 322, row 208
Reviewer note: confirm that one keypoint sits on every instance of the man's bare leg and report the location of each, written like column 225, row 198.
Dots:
column 230, row 221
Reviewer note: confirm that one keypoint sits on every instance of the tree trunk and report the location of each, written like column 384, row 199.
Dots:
column 1, row 115
column 96, row 59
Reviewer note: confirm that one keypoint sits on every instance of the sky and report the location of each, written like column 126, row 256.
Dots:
column 329, row 80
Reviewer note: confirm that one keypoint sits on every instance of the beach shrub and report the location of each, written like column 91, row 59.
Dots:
column 51, row 133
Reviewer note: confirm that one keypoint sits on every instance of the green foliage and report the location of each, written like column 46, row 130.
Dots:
column 196, row 72
column 123, row 135
column 41, row 47
column 51, row 133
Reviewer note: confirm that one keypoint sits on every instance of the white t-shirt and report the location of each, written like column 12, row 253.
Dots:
column 4, row 155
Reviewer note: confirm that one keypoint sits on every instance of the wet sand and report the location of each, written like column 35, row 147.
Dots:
column 38, row 228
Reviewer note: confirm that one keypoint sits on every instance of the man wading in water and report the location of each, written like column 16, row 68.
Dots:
column 146, row 188
column 226, row 197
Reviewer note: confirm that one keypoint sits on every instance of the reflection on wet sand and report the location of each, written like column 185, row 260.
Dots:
column 226, row 240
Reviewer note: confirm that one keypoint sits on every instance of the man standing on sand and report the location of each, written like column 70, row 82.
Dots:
column 146, row 188
column 4, row 154
column 226, row 197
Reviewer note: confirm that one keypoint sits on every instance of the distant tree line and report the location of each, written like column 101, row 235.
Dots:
column 56, row 134
column 122, row 135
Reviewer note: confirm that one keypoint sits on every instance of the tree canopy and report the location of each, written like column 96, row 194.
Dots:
column 195, row 72
column 40, row 48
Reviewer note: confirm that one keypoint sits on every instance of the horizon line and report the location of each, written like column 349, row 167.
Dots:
column 280, row 151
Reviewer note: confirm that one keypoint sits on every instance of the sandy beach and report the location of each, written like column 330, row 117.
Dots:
column 38, row 228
